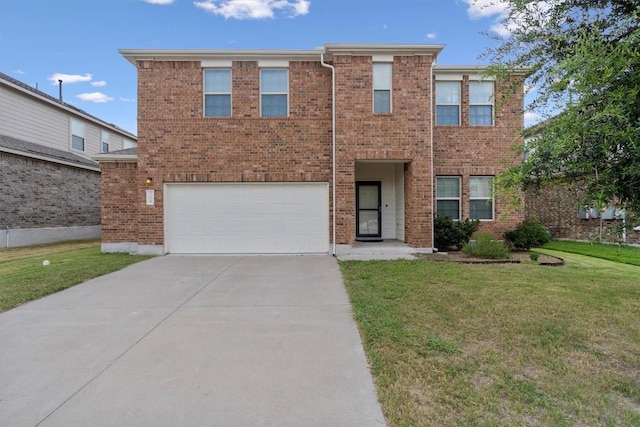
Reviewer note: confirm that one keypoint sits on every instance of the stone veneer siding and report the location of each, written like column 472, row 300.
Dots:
column 40, row 194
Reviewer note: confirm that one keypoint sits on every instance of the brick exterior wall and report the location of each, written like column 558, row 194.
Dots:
column 403, row 135
column 177, row 144
column 40, row 194
column 556, row 207
column 119, row 202
column 467, row 151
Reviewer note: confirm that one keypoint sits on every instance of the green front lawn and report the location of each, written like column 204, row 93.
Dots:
column 23, row 277
column 501, row 345
column 618, row 253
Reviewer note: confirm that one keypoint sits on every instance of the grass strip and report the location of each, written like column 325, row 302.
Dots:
column 23, row 277
column 618, row 253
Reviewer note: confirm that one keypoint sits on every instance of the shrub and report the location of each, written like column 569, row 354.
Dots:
column 486, row 247
column 528, row 234
column 450, row 233
column 534, row 256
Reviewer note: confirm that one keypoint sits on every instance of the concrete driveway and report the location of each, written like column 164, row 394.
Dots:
column 190, row 341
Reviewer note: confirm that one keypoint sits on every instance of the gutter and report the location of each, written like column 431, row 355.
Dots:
column 433, row 228
column 333, row 143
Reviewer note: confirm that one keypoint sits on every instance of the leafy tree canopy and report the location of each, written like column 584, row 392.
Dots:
column 583, row 59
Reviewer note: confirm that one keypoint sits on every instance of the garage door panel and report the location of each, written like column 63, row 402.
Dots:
column 247, row 218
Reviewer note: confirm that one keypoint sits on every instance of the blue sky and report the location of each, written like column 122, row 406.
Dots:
column 79, row 39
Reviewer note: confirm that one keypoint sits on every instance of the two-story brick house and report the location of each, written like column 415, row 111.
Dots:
column 246, row 151
column 49, row 186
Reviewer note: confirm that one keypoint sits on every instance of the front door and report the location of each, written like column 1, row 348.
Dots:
column 368, row 210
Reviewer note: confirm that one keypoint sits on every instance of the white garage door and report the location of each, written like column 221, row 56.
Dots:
column 247, row 218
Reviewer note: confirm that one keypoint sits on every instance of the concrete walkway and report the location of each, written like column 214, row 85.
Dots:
column 190, row 341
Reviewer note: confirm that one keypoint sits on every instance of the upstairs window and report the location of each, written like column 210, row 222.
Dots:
column 217, row 93
column 382, row 88
column 480, row 103
column 274, row 93
column 104, row 148
column 448, row 196
column 481, row 197
column 448, row 104
column 77, row 135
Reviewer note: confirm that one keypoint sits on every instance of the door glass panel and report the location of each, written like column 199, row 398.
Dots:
column 368, row 222
column 368, row 197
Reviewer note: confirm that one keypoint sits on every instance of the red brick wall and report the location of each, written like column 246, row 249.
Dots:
column 467, row 151
column 119, row 202
column 555, row 205
column 402, row 135
column 177, row 144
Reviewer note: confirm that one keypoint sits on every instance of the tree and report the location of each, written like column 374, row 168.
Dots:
column 583, row 58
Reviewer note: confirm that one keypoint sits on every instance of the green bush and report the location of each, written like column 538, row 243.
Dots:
column 453, row 234
column 486, row 247
column 528, row 234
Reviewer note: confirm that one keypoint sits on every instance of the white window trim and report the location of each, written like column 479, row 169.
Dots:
column 275, row 93
column 459, row 198
column 105, row 137
column 493, row 198
column 84, row 135
column 459, row 103
column 205, row 93
column 492, row 103
column 373, row 93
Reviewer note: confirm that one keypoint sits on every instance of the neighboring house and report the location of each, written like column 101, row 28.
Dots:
column 50, row 187
column 246, row 151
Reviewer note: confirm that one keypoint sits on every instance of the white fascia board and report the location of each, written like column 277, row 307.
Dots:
column 134, row 55
column 107, row 157
column 48, row 159
column 77, row 113
column 384, row 49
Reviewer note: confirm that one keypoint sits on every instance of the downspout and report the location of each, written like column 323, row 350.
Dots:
column 333, row 144
column 433, row 229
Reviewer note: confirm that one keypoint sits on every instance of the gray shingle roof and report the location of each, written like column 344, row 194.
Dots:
column 31, row 149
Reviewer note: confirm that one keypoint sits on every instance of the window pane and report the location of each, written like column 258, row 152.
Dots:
column 105, row 147
column 382, row 76
column 274, row 81
column 481, row 209
column 448, row 93
column 274, row 105
column 448, row 187
column 480, row 115
column 447, row 115
column 481, row 92
column 481, row 187
column 77, row 128
column 217, row 81
column 217, row 105
column 382, row 101
column 77, row 142
column 451, row 208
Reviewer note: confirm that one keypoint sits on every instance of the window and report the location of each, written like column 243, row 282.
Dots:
column 448, row 104
column 105, row 142
column 274, row 93
column 481, row 103
column 448, row 196
column 217, row 93
column 382, row 88
column 77, row 135
column 481, row 197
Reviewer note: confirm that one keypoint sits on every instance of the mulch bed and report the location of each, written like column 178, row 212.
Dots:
column 517, row 257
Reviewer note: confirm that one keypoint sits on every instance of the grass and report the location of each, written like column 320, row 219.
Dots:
column 501, row 345
column 23, row 277
column 618, row 253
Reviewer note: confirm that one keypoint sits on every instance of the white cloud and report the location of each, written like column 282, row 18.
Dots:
column 531, row 118
column 127, row 99
column 159, row 1
column 486, row 8
column 99, row 83
column 69, row 78
column 431, row 36
column 253, row 9
column 97, row 97
column 18, row 71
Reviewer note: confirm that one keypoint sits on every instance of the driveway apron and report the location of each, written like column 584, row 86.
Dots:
column 190, row 341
